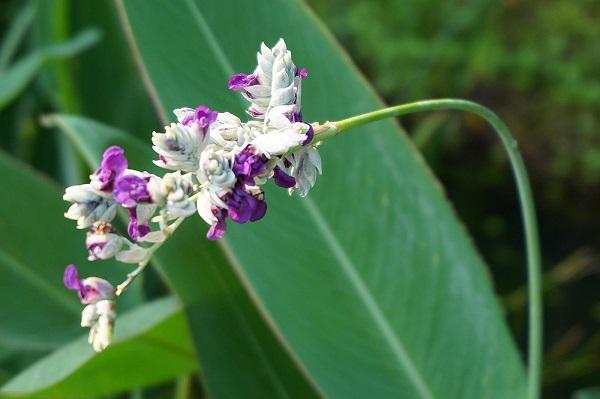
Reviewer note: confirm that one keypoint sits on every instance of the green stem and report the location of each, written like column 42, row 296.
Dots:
column 525, row 197
column 121, row 288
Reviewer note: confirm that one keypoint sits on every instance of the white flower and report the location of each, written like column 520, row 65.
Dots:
column 100, row 318
column 89, row 205
column 282, row 136
column 206, row 203
column 228, row 131
column 306, row 164
column 215, row 170
column 178, row 148
column 171, row 193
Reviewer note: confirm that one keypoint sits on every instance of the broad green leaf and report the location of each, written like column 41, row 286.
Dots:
column 36, row 243
column 19, row 74
column 371, row 280
column 238, row 353
column 151, row 345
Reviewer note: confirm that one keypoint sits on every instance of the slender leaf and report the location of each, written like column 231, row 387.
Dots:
column 14, row 37
column 151, row 345
column 36, row 243
column 371, row 280
column 15, row 78
column 239, row 355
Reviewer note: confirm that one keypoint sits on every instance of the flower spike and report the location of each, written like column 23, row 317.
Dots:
column 218, row 166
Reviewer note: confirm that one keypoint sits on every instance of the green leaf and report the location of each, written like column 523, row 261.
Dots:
column 17, row 76
column 372, row 281
column 37, row 242
column 151, row 345
column 14, row 37
column 238, row 353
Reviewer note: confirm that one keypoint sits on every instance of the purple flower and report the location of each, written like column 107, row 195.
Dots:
column 135, row 229
column 248, row 164
column 282, row 179
column 295, row 117
column 202, row 116
column 302, row 73
column 217, row 229
column 241, row 80
column 112, row 166
column 244, row 207
column 309, row 135
column 90, row 290
column 131, row 190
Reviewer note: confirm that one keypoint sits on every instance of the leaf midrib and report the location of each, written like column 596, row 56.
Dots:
column 342, row 257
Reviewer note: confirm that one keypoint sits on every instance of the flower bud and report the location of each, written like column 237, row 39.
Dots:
column 215, row 170
column 172, row 194
column 178, row 148
column 100, row 317
column 101, row 242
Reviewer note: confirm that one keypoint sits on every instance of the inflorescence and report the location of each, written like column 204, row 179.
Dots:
column 219, row 164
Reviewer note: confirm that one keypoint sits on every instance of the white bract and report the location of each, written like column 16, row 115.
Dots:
column 100, row 318
column 89, row 205
column 178, row 147
column 306, row 164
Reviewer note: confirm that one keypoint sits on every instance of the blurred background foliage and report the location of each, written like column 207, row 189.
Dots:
column 535, row 63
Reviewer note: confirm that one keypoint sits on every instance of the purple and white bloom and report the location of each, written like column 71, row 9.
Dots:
column 209, row 205
column 306, row 164
column 178, row 148
column 91, row 289
column 112, row 166
column 100, row 318
column 89, row 205
column 139, row 216
column 198, row 119
column 101, row 242
column 217, row 229
column 215, row 170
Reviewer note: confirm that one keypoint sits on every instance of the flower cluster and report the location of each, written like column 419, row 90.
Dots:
column 218, row 164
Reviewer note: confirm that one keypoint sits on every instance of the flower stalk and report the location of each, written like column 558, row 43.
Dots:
column 534, row 270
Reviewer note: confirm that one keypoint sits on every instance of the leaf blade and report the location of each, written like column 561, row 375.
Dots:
column 146, row 338
column 433, row 251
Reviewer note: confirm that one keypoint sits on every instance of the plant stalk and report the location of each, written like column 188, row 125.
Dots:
column 534, row 272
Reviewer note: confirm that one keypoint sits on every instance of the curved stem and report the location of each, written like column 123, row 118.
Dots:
column 525, row 198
